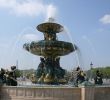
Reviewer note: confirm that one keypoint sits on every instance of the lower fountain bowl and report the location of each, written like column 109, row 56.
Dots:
column 53, row 48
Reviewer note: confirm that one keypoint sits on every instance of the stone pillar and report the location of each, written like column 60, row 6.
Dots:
column 87, row 93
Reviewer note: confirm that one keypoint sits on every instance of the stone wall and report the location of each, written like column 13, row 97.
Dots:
column 102, row 93
column 55, row 93
column 40, row 93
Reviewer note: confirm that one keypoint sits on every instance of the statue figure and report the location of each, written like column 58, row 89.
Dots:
column 33, row 78
column 41, row 79
column 80, row 76
column 98, row 78
column 11, row 78
column 2, row 77
column 58, row 70
column 40, row 69
column 49, row 71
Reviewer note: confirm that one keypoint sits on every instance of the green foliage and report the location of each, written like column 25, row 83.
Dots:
column 104, row 70
column 18, row 74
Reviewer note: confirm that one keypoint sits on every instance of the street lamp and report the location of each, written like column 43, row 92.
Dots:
column 91, row 66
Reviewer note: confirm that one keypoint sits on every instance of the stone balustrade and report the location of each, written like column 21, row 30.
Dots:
column 55, row 93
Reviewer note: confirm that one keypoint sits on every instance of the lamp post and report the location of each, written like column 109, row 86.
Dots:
column 91, row 66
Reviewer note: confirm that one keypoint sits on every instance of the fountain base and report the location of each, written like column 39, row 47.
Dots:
column 46, row 93
column 55, row 93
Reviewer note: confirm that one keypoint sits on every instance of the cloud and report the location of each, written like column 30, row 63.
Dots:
column 105, row 19
column 28, row 7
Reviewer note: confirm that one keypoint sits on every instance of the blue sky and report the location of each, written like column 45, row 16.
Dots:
column 87, row 24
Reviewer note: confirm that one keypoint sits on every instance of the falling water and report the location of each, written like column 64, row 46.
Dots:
column 22, row 37
column 71, row 39
column 19, row 37
column 91, row 45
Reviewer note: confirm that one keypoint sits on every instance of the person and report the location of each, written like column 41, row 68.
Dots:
column 98, row 78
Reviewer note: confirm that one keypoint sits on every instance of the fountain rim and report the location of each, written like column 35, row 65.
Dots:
column 59, row 28
column 48, row 47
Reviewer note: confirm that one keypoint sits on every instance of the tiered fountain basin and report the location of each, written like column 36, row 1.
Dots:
column 50, row 48
column 53, row 48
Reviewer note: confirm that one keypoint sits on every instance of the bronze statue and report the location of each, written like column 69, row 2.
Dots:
column 10, row 77
column 98, row 78
column 2, row 77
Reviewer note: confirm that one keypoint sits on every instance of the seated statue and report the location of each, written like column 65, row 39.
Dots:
column 80, row 77
column 98, row 78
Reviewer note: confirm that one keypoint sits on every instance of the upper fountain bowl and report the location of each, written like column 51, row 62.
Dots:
column 50, row 27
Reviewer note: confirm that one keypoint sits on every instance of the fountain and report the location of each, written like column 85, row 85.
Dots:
column 49, row 70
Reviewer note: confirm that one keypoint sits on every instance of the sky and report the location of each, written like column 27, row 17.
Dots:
column 86, row 23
